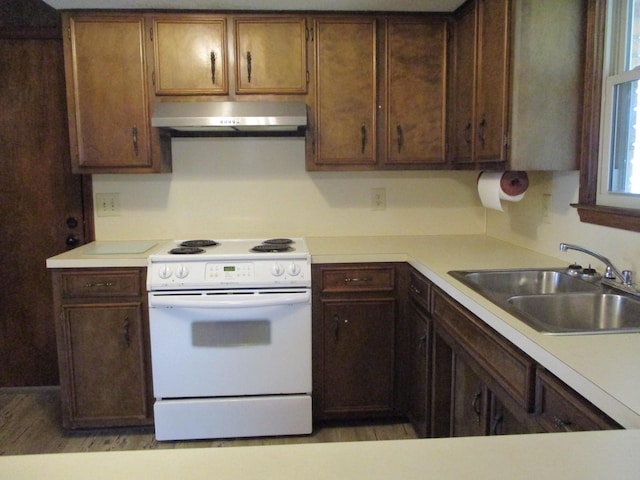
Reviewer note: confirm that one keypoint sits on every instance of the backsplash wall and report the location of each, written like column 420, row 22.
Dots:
column 526, row 224
column 248, row 187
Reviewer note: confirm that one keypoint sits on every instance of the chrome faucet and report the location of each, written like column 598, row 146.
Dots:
column 611, row 273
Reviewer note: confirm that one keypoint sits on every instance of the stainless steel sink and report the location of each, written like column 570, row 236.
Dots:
column 554, row 302
column 523, row 282
column 579, row 312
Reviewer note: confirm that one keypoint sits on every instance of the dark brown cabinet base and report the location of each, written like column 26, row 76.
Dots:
column 102, row 335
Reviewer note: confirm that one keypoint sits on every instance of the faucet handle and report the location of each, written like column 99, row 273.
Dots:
column 627, row 277
column 608, row 273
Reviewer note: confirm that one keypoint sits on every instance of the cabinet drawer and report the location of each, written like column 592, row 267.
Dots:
column 353, row 279
column 109, row 283
column 561, row 409
column 420, row 290
column 511, row 369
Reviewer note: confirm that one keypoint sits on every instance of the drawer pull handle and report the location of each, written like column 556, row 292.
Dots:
column 564, row 425
column 99, row 284
column 352, row 280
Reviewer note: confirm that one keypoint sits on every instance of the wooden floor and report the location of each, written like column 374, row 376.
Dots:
column 30, row 422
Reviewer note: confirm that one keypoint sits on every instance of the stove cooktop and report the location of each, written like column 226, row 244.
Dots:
column 197, row 264
column 212, row 249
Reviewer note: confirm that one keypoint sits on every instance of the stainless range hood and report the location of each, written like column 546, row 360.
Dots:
column 231, row 118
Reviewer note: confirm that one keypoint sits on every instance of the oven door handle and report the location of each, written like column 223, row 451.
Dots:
column 202, row 300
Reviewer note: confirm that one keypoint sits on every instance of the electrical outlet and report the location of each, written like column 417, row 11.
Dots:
column 378, row 198
column 108, row 204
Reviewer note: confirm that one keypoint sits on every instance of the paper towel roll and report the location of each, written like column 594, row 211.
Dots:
column 496, row 186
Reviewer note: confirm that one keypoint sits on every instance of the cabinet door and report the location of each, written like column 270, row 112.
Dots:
column 190, row 56
column 462, row 86
column 469, row 397
column 492, row 94
column 107, row 94
column 504, row 421
column 271, row 55
column 416, row 65
column 345, row 101
column 358, row 356
column 104, row 363
column 420, row 352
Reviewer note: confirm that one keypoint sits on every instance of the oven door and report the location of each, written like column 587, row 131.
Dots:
column 230, row 343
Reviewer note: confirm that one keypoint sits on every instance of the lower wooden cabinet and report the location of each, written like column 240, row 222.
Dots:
column 483, row 385
column 354, row 341
column 419, row 356
column 102, row 336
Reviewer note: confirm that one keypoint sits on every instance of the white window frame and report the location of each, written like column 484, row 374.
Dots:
column 614, row 73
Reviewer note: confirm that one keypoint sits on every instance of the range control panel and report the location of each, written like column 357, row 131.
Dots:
column 214, row 274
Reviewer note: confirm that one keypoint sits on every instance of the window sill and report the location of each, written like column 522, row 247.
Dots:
column 624, row 218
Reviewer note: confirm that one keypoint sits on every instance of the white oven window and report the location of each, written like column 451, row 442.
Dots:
column 236, row 333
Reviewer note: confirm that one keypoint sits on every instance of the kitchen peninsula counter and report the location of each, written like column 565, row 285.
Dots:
column 582, row 455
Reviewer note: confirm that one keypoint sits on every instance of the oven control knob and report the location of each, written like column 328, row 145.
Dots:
column 182, row 271
column 165, row 271
column 294, row 269
column 277, row 270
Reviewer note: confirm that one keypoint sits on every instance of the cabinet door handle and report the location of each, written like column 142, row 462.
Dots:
column 482, row 126
column 467, row 133
column 363, row 136
column 336, row 326
column 127, row 332
column 422, row 345
column 400, row 137
column 249, row 66
column 475, row 404
column 213, row 67
column 134, row 135
column 496, row 423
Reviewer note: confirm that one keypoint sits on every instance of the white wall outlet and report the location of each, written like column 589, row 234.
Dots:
column 378, row 198
column 107, row 204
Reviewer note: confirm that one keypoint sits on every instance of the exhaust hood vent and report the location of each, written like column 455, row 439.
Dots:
column 189, row 119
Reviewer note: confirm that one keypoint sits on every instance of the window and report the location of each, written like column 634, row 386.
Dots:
column 619, row 156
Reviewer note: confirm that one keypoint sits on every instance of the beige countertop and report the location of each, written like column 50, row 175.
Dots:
column 551, row 456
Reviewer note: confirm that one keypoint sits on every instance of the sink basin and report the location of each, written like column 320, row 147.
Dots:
column 579, row 312
column 523, row 282
column 554, row 302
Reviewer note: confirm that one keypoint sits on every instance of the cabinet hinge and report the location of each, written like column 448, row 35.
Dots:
column 153, row 78
column 308, row 77
column 69, row 33
column 506, row 141
column 309, row 34
column 151, row 33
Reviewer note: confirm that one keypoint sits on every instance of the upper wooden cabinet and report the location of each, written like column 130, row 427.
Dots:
column 108, row 102
column 416, row 54
column 380, row 93
column 479, row 96
column 345, row 99
column 271, row 55
column 502, row 112
column 190, row 55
